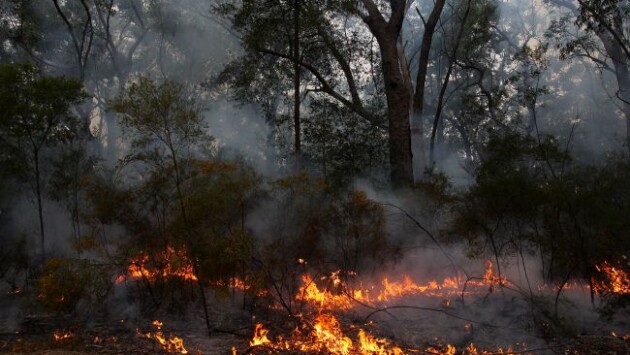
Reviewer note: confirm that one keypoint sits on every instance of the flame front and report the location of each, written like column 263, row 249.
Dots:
column 321, row 331
column 343, row 297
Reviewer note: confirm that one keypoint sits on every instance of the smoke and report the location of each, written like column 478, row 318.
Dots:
column 241, row 131
column 184, row 43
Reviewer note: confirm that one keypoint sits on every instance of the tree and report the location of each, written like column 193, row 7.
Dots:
column 72, row 171
column 335, row 56
column 606, row 22
column 166, row 132
column 35, row 116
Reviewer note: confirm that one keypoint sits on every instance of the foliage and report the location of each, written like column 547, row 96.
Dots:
column 342, row 138
column 330, row 230
column 65, row 284
column 35, row 113
column 35, row 116
column 160, row 120
column 529, row 196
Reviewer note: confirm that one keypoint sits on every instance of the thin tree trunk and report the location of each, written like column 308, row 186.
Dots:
column 420, row 159
column 447, row 78
column 39, row 206
column 296, row 81
column 193, row 260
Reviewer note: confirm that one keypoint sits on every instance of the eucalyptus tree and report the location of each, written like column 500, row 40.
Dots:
column 353, row 55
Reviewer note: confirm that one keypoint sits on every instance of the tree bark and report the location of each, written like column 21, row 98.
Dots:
column 398, row 100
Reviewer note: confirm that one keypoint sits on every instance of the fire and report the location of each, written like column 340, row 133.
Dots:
column 328, row 336
column 371, row 345
column 618, row 281
column 60, row 336
column 174, row 263
column 471, row 349
column 241, row 285
column 309, row 292
column 321, row 331
column 171, row 344
column 260, row 336
column 339, row 296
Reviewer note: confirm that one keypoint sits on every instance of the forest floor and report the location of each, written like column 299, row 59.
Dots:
column 224, row 343
column 35, row 334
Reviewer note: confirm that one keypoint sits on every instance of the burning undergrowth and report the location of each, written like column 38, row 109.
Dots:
column 326, row 278
column 339, row 314
column 393, row 311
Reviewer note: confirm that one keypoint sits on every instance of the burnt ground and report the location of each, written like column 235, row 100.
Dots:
column 34, row 334
column 117, row 341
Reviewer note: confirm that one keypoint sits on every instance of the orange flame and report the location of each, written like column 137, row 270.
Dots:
column 170, row 344
column 618, row 281
column 260, row 336
column 370, row 345
column 326, row 336
column 329, row 336
column 174, row 264
column 60, row 336
column 343, row 298
column 325, row 333
column 241, row 285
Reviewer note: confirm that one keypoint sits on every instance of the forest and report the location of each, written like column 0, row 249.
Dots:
column 347, row 177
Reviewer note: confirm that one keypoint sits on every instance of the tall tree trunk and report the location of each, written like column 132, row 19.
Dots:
column 387, row 34
column 39, row 205
column 445, row 83
column 398, row 103
column 296, row 81
column 420, row 159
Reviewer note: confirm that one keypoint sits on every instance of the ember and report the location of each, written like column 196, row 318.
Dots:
column 237, row 284
column 61, row 336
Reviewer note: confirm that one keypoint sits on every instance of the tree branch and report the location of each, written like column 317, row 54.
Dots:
column 328, row 89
